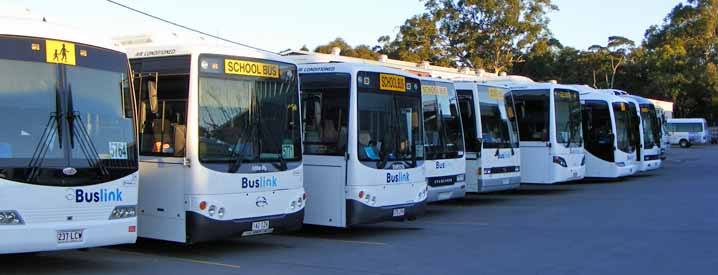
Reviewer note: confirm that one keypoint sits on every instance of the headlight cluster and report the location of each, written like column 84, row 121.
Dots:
column 299, row 202
column 422, row 195
column 461, row 177
column 10, row 217
column 123, row 212
column 367, row 198
column 560, row 161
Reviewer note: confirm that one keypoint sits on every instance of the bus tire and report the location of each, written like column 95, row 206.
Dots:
column 684, row 143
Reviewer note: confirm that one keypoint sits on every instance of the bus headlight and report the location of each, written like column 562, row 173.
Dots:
column 461, row 177
column 123, row 212
column 10, row 217
column 220, row 212
column 560, row 161
column 212, row 210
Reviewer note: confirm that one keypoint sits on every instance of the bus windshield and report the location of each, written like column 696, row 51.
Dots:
column 248, row 118
column 497, row 125
column 625, row 137
column 568, row 118
column 389, row 122
column 75, row 112
column 442, row 122
column 651, row 130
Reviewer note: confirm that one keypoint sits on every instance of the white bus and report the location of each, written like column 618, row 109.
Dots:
column 493, row 157
column 688, row 131
column 549, row 118
column 445, row 165
column 610, row 145
column 649, row 153
column 68, row 145
column 220, row 142
column 363, row 141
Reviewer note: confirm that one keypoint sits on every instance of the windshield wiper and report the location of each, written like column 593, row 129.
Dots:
column 38, row 156
column 53, row 126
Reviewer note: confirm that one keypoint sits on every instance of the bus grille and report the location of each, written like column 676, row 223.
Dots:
column 36, row 216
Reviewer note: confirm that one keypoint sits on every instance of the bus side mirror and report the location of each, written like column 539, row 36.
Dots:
column 152, row 93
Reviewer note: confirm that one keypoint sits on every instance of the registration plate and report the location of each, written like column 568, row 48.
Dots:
column 70, row 236
column 260, row 227
column 399, row 212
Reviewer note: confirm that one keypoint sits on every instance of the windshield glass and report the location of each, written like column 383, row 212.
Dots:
column 76, row 112
column 442, row 122
column 497, row 125
column 568, row 118
column 389, row 122
column 651, row 130
column 625, row 137
column 247, row 116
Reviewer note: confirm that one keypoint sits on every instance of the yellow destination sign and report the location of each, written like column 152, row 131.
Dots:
column 564, row 94
column 392, row 83
column 241, row 67
column 644, row 110
column 496, row 93
column 434, row 90
column 60, row 52
column 623, row 107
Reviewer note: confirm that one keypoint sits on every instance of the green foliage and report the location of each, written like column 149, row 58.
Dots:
column 361, row 51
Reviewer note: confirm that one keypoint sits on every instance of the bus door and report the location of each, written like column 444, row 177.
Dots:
column 469, row 119
column 325, row 113
column 162, row 126
column 532, row 110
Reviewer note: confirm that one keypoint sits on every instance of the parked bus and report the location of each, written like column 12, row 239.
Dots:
column 649, row 157
column 493, row 157
column 220, row 141
column 550, row 133
column 610, row 145
column 688, row 131
column 68, row 145
column 364, row 150
column 445, row 165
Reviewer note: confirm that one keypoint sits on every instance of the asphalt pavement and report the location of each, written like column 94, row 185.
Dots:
column 660, row 222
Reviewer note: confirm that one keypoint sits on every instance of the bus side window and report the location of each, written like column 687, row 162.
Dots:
column 163, row 115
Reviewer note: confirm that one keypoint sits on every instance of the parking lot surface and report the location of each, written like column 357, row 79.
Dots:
column 660, row 222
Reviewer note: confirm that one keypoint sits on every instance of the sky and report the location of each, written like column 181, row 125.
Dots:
column 277, row 25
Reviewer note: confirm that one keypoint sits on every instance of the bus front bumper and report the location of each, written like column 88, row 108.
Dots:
column 499, row 184
column 359, row 213
column 44, row 237
column 445, row 193
column 649, row 165
column 202, row 229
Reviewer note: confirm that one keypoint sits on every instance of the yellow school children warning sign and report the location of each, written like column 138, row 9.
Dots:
column 391, row 82
column 249, row 68
column 60, row 52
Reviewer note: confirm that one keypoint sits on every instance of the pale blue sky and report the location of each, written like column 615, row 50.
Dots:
column 280, row 24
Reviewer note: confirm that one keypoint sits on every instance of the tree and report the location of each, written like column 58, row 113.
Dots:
column 418, row 40
column 360, row 51
column 492, row 34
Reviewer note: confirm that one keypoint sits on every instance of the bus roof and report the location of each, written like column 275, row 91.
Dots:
column 309, row 68
column 542, row 86
column 32, row 27
column 588, row 93
column 174, row 44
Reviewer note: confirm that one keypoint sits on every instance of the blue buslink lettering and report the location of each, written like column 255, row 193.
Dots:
column 261, row 182
column 399, row 177
column 103, row 195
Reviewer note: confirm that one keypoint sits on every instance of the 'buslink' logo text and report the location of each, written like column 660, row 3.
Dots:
column 102, row 195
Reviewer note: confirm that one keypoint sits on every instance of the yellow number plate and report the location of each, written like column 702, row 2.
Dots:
column 249, row 68
column 394, row 83
column 496, row 93
column 60, row 52
column 434, row 90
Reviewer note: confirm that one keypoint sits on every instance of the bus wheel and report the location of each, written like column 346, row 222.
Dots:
column 684, row 143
